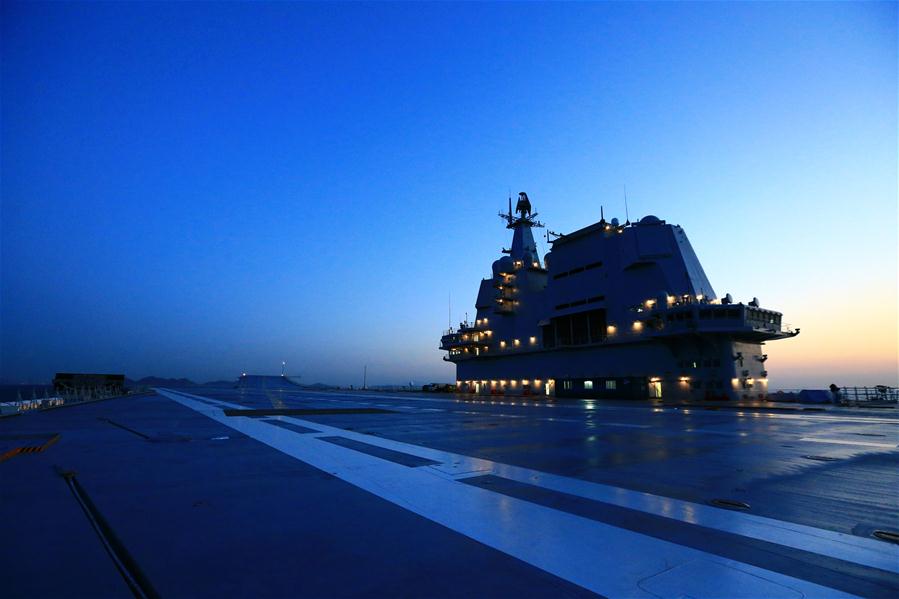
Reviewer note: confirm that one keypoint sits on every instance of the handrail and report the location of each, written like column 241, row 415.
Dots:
column 878, row 393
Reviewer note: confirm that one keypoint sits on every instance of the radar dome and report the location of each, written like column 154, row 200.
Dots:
column 650, row 219
column 504, row 265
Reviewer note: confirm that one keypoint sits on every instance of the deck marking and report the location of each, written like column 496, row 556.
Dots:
column 580, row 550
column 847, row 442
column 577, row 549
column 847, row 547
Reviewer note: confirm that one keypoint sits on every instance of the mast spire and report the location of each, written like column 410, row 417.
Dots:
column 626, row 215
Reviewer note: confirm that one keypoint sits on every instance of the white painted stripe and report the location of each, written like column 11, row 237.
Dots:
column 860, row 550
column 847, row 442
column 835, row 419
column 582, row 551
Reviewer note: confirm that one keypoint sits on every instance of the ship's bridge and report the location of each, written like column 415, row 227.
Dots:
column 691, row 314
column 469, row 340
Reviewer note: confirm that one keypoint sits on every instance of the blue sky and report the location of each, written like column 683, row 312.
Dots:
column 203, row 189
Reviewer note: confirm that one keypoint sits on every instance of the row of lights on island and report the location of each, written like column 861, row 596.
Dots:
column 611, row 329
column 505, row 382
column 517, row 342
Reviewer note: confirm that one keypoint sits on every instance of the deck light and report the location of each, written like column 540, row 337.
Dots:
column 610, row 329
column 533, row 340
column 684, row 379
column 638, row 326
column 502, row 344
column 517, row 342
column 654, row 379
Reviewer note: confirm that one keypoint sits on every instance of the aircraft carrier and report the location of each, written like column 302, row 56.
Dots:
column 613, row 310
column 266, row 489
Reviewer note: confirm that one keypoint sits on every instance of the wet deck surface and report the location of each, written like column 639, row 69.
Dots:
column 411, row 495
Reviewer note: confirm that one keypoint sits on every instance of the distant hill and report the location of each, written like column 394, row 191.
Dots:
column 158, row 381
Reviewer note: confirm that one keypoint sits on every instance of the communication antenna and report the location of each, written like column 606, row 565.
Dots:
column 449, row 309
column 602, row 216
column 626, row 215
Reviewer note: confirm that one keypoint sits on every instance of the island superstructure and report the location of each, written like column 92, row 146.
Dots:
column 613, row 310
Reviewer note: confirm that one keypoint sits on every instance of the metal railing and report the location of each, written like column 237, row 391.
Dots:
column 867, row 395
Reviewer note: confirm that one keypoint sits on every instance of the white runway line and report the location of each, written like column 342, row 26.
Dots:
column 848, row 442
column 583, row 551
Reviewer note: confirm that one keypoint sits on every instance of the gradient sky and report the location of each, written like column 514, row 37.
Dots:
column 203, row 189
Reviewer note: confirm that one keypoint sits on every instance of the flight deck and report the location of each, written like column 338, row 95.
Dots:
column 277, row 491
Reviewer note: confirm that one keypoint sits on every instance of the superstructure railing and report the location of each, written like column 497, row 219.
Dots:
column 880, row 394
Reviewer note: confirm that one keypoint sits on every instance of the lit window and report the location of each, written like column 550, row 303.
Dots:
column 611, row 385
column 588, row 384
